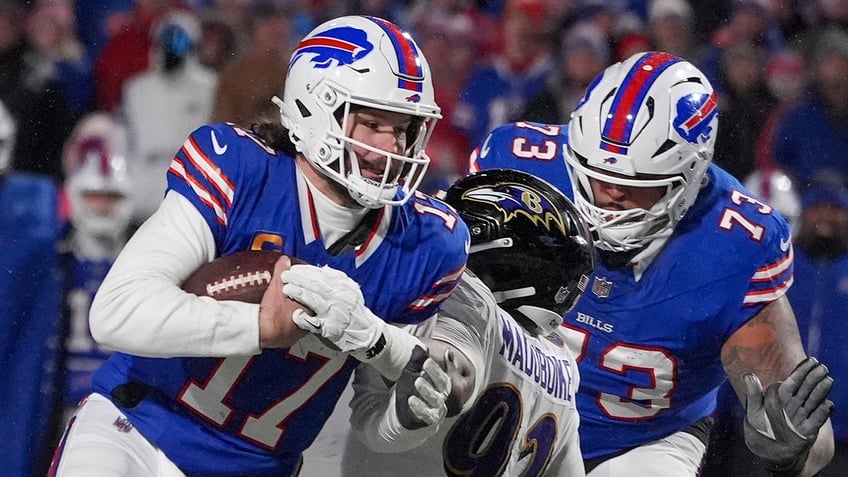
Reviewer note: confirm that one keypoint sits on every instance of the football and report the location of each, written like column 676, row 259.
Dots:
column 242, row 276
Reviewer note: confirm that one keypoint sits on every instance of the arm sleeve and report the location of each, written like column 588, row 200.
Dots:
column 373, row 418
column 140, row 308
column 470, row 344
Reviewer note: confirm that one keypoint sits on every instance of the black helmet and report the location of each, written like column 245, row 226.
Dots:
column 528, row 243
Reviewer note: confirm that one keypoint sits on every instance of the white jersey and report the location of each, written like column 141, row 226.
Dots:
column 521, row 418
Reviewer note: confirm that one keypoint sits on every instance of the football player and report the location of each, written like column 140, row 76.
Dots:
column 98, row 192
column 223, row 388
column 30, row 304
column 514, row 380
column 690, row 288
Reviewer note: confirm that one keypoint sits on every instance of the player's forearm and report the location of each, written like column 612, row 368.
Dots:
column 140, row 308
column 374, row 420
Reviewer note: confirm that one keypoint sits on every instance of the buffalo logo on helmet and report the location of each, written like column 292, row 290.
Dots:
column 514, row 199
column 335, row 47
column 695, row 113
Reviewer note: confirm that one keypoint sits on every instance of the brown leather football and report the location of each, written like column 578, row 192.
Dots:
column 242, row 276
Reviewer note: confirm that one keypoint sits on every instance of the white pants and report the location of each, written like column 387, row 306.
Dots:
column 678, row 455
column 100, row 441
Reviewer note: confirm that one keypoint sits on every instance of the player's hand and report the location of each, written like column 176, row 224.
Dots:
column 276, row 326
column 782, row 424
column 340, row 314
column 422, row 391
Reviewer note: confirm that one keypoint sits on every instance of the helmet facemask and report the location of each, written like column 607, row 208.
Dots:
column 402, row 173
column 631, row 229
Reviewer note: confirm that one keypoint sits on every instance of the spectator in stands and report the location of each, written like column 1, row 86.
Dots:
column 246, row 85
column 786, row 76
column 99, row 20
column 34, row 97
column 449, row 41
column 218, row 44
column 810, row 139
column 128, row 53
column 671, row 28
column 749, row 24
column 51, row 32
column 820, row 297
column 162, row 106
column 498, row 90
column 584, row 53
column 789, row 19
column 30, row 296
column 746, row 104
column 826, row 15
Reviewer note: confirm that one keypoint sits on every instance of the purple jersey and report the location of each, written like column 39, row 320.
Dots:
column 254, row 415
column 649, row 350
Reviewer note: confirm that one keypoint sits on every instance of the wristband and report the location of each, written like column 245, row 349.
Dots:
column 390, row 353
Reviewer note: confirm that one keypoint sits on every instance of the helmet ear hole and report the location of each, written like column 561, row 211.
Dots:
column 304, row 111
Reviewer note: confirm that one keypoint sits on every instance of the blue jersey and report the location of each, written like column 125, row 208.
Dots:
column 30, row 307
column 254, row 415
column 649, row 350
column 82, row 354
column 530, row 147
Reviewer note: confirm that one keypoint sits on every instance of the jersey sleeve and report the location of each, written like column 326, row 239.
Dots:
column 775, row 272
column 439, row 257
column 215, row 163
column 373, row 415
column 534, row 148
column 468, row 322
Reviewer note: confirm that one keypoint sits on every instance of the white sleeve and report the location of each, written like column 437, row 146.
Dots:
column 468, row 342
column 140, row 308
column 373, row 418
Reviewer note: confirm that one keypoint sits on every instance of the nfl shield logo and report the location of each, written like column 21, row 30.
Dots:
column 123, row 424
column 601, row 287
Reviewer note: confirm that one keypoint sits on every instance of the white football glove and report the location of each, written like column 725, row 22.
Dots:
column 342, row 318
column 422, row 391
column 782, row 424
column 340, row 312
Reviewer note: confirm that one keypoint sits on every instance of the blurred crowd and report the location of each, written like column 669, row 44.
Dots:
column 151, row 71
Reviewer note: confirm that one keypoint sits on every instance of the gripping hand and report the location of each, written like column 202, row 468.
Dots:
column 782, row 424
column 341, row 316
column 421, row 392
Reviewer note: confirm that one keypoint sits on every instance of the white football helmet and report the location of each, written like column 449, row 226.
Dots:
column 359, row 61
column 94, row 163
column 778, row 190
column 8, row 129
column 649, row 121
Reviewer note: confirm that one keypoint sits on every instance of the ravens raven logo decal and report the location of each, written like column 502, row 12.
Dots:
column 514, row 199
